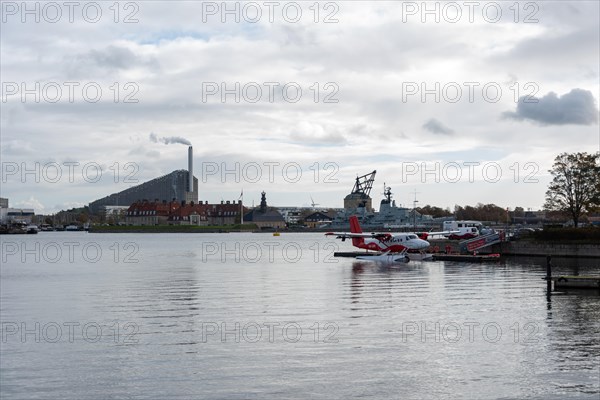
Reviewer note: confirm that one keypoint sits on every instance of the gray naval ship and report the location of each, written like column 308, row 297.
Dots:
column 390, row 216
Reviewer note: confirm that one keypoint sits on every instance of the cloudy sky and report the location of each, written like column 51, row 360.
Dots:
column 459, row 102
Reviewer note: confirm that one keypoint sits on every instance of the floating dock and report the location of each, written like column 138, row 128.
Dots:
column 436, row 256
column 576, row 282
column 353, row 254
column 466, row 257
column 569, row 281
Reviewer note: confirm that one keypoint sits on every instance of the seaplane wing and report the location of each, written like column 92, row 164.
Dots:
column 347, row 235
column 441, row 233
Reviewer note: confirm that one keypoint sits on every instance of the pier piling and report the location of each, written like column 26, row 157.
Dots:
column 549, row 273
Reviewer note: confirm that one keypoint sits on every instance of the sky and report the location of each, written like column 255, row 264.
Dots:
column 450, row 102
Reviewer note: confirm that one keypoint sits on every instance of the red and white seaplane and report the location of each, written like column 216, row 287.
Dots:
column 397, row 247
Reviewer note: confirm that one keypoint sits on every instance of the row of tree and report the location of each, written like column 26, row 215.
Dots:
column 573, row 193
column 480, row 212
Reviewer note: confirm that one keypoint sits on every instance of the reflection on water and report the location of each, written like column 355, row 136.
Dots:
column 184, row 321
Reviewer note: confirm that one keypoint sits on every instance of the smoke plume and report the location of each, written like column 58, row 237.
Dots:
column 169, row 140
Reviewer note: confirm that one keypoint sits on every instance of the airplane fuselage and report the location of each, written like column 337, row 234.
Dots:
column 395, row 243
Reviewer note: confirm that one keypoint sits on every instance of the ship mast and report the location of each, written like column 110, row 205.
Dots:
column 387, row 192
column 415, row 201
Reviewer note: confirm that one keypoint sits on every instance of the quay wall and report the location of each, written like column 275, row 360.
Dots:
column 558, row 249
column 530, row 248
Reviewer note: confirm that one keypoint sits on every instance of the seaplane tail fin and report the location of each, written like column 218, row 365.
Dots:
column 354, row 225
column 355, row 228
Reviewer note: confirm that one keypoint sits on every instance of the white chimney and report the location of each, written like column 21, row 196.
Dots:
column 191, row 169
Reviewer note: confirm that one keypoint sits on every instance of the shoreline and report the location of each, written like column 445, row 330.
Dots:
column 199, row 229
column 525, row 248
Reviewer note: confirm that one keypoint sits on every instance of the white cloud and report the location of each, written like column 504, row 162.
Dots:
column 30, row 203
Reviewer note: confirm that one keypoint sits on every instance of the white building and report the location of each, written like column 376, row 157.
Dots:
column 10, row 215
column 291, row 215
column 114, row 214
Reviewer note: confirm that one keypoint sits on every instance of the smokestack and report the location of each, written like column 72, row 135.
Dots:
column 191, row 169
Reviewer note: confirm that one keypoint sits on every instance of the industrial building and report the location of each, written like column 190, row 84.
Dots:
column 359, row 197
column 14, row 215
column 179, row 185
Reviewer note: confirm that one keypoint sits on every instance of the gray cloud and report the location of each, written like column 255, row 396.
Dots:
column 436, row 127
column 109, row 60
column 114, row 57
column 577, row 107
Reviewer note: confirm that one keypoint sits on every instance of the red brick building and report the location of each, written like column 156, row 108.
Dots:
column 146, row 212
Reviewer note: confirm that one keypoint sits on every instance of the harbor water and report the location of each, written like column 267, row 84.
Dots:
column 252, row 316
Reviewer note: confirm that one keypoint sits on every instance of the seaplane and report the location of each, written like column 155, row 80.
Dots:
column 397, row 247
column 394, row 247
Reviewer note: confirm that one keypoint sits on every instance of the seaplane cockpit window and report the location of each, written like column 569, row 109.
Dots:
column 412, row 236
